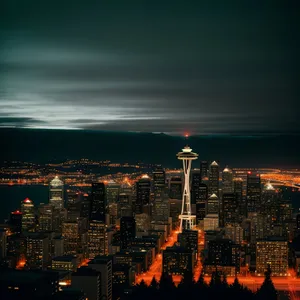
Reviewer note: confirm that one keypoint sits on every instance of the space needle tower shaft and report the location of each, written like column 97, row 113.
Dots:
column 187, row 220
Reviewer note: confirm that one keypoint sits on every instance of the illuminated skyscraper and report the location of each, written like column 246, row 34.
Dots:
column 238, row 191
column 159, row 180
column 253, row 193
column 56, row 193
column 227, row 181
column 37, row 251
column 213, row 205
column 98, row 202
column 201, row 202
column 175, row 188
column 97, row 239
column 187, row 220
column 143, row 189
column 274, row 252
column 230, row 210
column 195, row 188
column 127, row 231
column 28, row 215
column 203, row 170
column 46, row 217
column 213, row 183
column 112, row 192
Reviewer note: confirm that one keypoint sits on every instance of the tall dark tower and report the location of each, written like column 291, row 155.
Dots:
column 98, row 202
column 15, row 221
column 213, row 184
column 196, row 181
column 127, row 230
column 143, row 188
column 227, row 183
column 201, row 202
column 253, row 199
column 238, row 192
column 203, row 169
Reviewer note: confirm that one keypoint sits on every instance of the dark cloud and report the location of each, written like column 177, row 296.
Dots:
column 204, row 68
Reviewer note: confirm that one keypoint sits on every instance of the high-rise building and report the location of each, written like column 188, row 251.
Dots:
column 127, row 230
column 187, row 220
column 213, row 205
column 273, row 252
column 230, row 209
column 97, row 239
column 188, row 239
column 195, row 187
column 227, row 181
column 28, row 215
column 86, row 206
column 103, row 264
column 178, row 261
column 201, row 202
column 211, row 222
column 143, row 190
column 73, row 197
column 175, row 188
column 71, row 233
column 161, row 211
column 89, row 281
column 124, row 205
column 238, row 191
column 15, row 221
column 203, row 170
column 56, row 193
column 3, row 237
column 45, row 217
column 98, row 202
column 253, row 193
column 213, row 179
column 159, row 181
column 37, row 251
column 112, row 192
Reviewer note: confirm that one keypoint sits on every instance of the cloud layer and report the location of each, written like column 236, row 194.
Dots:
column 196, row 69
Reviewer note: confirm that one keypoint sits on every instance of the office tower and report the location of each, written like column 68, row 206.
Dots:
column 37, row 251
column 238, row 191
column 45, row 217
column 235, row 233
column 187, row 220
column 159, row 181
column 15, row 221
column 213, row 206
column 195, row 188
column 86, row 206
column 73, row 197
column 143, row 188
column 89, row 281
column 211, row 222
column 71, row 233
column 253, row 199
column 161, row 206
column 124, row 205
column 143, row 223
column 213, row 179
column 175, row 188
column 28, row 215
column 113, row 213
column 64, row 263
column 274, row 252
column 112, row 192
column 56, row 193
column 223, row 253
column 227, row 181
column 103, row 264
column 127, row 230
column 97, row 239
column 178, row 261
column 201, row 202
column 98, row 202
column 270, row 207
column 298, row 222
column 188, row 239
column 230, row 209
column 203, row 170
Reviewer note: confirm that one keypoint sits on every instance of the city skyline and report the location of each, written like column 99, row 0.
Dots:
column 197, row 68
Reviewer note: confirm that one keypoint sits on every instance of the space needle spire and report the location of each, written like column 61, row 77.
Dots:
column 187, row 220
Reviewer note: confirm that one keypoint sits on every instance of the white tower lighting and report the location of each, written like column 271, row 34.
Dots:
column 186, row 217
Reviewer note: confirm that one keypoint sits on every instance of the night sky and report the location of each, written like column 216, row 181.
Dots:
column 182, row 66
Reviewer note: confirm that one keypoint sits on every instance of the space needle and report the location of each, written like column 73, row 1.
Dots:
column 187, row 220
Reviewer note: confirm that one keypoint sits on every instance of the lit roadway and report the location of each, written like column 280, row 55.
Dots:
column 290, row 283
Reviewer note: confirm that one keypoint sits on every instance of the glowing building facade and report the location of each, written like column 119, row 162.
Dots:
column 56, row 193
column 28, row 215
